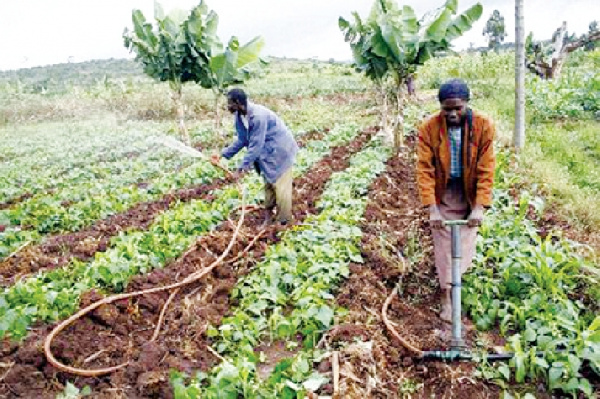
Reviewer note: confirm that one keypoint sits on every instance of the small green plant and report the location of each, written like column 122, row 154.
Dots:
column 575, row 95
column 55, row 294
column 413, row 250
column 72, row 392
column 290, row 292
column 514, row 395
column 408, row 387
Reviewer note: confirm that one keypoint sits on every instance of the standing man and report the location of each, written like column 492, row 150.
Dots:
column 271, row 151
column 455, row 174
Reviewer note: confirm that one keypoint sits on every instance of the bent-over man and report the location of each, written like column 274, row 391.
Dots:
column 271, row 151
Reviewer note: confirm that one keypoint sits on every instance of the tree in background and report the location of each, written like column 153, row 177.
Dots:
column 184, row 47
column 391, row 43
column 547, row 60
column 494, row 30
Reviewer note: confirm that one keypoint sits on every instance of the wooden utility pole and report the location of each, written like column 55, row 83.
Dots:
column 519, row 135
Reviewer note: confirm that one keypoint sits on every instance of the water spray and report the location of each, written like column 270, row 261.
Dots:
column 177, row 145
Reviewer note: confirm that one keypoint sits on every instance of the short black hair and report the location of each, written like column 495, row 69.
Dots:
column 238, row 95
column 454, row 88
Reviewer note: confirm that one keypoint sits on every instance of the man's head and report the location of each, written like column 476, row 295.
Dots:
column 454, row 96
column 237, row 101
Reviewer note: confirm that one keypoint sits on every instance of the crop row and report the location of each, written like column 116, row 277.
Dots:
column 290, row 292
column 53, row 295
column 541, row 292
column 50, row 215
column 35, row 163
column 94, row 180
column 76, row 206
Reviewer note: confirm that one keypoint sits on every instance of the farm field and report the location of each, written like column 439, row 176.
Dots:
column 89, row 207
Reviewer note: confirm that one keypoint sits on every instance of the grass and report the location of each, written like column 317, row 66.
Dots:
column 562, row 157
column 575, row 146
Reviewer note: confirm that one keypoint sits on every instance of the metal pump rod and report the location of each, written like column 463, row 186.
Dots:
column 457, row 342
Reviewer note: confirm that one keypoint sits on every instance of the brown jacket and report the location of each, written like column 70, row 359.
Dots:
column 433, row 165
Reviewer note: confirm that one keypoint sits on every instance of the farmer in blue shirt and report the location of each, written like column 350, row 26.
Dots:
column 271, row 151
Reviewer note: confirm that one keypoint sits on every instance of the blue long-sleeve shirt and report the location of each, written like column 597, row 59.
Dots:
column 270, row 143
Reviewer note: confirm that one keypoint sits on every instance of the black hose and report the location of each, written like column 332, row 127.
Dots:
column 455, row 355
column 495, row 357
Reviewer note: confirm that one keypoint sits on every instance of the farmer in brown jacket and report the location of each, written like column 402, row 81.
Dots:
column 455, row 174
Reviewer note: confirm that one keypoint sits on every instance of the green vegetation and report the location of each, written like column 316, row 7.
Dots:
column 574, row 95
column 289, row 293
column 495, row 30
column 525, row 284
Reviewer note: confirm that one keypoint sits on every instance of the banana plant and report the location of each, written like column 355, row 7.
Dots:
column 392, row 43
column 184, row 47
column 235, row 65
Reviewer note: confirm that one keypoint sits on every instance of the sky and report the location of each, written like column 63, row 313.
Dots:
column 42, row 32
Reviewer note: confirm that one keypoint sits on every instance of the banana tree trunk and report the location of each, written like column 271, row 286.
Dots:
column 399, row 123
column 185, row 136
column 410, row 85
column 218, row 116
column 385, row 125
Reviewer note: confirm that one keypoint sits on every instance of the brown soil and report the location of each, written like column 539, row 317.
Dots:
column 273, row 354
column 551, row 220
column 395, row 223
column 58, row 250
column 120, row 332
column 15, row 200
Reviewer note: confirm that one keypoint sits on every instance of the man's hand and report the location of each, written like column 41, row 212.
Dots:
column 236, row 175
column 435, row 217
column 475, row 217
column 215, row 159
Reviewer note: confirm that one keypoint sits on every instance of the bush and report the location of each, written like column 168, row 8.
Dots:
column 576, row 94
